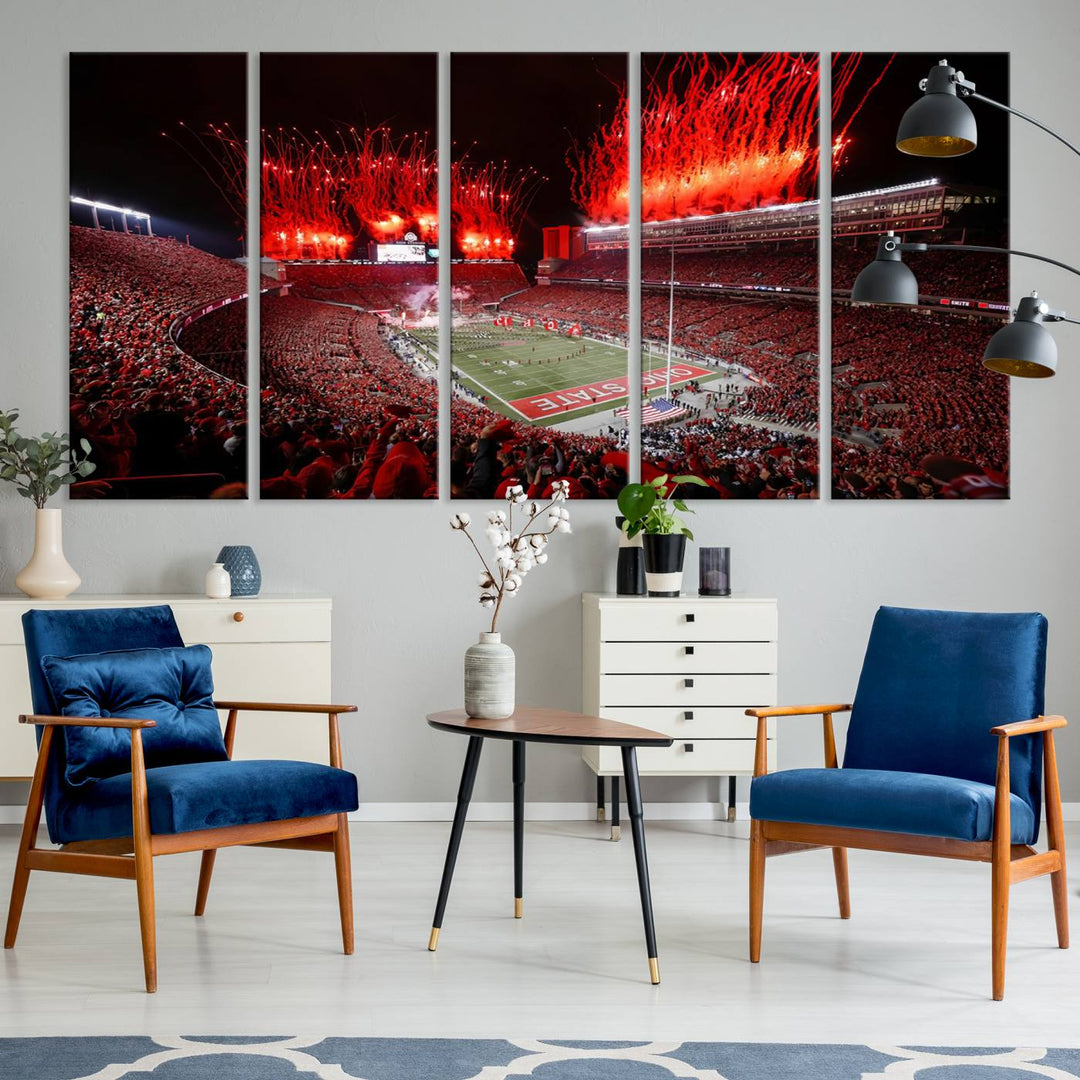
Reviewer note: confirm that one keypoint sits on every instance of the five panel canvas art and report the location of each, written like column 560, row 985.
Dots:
column 539, row 240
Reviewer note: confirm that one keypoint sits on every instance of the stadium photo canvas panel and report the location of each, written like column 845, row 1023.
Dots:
column 349, row 242
column 539, row 273
column 158, row 273
column 915, row 414
column 729, row 272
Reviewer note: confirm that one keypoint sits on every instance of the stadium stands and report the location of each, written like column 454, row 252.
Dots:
column 148, row 409
column 344, row 414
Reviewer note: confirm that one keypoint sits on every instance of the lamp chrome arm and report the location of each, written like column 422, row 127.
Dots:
column 965, row 92
column 990, row 251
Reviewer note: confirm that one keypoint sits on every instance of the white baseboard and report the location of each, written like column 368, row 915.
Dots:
column 12, row 814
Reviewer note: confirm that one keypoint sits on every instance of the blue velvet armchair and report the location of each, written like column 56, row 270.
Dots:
column 132, row 763
column 947, row 751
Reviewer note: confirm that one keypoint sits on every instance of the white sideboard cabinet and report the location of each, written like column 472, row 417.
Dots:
column 688, row 666
column 266, row 648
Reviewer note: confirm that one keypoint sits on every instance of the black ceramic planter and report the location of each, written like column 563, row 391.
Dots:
column 664, row 554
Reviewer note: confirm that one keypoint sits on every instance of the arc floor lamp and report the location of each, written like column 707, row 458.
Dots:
column 941, row 124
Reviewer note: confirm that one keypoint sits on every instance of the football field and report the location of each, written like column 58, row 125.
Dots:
column 545, row 377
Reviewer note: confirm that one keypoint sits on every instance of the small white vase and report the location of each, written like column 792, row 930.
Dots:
column 48, row 575
column 489, row 679
column 218, row 582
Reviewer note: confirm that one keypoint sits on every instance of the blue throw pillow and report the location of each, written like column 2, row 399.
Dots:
column 172, row 686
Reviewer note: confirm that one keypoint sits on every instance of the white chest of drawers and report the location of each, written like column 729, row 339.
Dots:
column 266, row 648
column 686, row 666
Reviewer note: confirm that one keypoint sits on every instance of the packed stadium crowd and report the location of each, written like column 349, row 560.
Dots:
column 345, row 412
column 148, row 409
column 219, row 341
column 908, row 386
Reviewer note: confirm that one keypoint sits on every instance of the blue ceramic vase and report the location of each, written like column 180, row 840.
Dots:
column 243, row 568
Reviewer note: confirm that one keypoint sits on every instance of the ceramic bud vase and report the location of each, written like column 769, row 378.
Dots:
column 664, row 554
column 218, row 582
column 48, row 575
column 489, row 678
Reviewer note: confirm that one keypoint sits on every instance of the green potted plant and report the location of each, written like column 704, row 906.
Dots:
column 653, row 510
column 39, row 467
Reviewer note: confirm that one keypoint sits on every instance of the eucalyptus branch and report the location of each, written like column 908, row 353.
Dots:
column 39, row 467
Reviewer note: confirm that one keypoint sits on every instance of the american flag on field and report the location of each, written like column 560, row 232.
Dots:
column 654, row 411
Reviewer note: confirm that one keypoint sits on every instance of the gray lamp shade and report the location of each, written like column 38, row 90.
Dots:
column 885, row 281
column 939, row 124
column 1024, row 349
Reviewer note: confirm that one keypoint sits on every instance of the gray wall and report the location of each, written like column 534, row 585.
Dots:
column 404, row 602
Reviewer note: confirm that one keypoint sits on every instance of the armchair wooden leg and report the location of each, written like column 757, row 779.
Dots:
column 27, row 841
column 1055, row 829
column 206, row 871
column 757, row 888
column 839, row 858
column 1000, row 870
column 144, row 861
column 343, row 866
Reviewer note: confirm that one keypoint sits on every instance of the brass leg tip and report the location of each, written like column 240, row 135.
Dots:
column 616, row 832
column 654, row 971
column 433, row 940
column 519, row 907
column 600, row 813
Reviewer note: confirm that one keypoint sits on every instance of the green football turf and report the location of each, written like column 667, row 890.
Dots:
column 492, row 360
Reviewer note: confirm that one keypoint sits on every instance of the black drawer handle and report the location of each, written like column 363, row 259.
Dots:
column 688, row 684
column 689, row 650
column 688, row 747
column 688, row 715
column 689, row 616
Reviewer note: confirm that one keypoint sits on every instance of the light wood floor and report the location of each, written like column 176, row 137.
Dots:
column 912, row 965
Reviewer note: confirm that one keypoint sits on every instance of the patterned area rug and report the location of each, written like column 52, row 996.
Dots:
column 283, row 1058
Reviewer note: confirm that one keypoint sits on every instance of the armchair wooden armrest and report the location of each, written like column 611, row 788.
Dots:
column 330, row 711
column 87, row 721
column 1029, row 727
column 797, row 710
column 761, row 760
column 281, row 706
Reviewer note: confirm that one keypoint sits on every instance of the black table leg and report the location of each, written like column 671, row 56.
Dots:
column 519, row 825
column 615, row 800
column 600, row 800
column 731, row 798
column 468, row 778
column 637, row 827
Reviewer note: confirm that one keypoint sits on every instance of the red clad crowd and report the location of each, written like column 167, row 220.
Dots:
column 345, row 411
column 158, row 422
column 912, row 405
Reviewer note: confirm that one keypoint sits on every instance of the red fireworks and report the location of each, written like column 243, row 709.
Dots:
column 391, row 182
column 718, row 133
column 222, row 155
column 300, row 210
column 487, row 204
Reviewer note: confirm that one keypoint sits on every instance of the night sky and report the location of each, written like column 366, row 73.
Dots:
column 528, row 108
column 120, row 104
column 872, row 159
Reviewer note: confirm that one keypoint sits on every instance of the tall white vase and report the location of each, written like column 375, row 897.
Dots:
column 48, row 575
column 489, row 678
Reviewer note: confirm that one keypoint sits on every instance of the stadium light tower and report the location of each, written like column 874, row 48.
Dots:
column 1023, row 348
column 124, row 211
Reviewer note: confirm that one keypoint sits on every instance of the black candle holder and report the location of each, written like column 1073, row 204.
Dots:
column 714, row 571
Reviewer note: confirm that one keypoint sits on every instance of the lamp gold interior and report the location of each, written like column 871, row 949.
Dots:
column 1021, row 369
column 935, row 146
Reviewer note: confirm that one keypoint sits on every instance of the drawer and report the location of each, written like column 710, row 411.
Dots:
column 692, row 723
column 686, row 691
column 709, row 757
column 703, row 657
column 688, row 620
column 214, row 621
